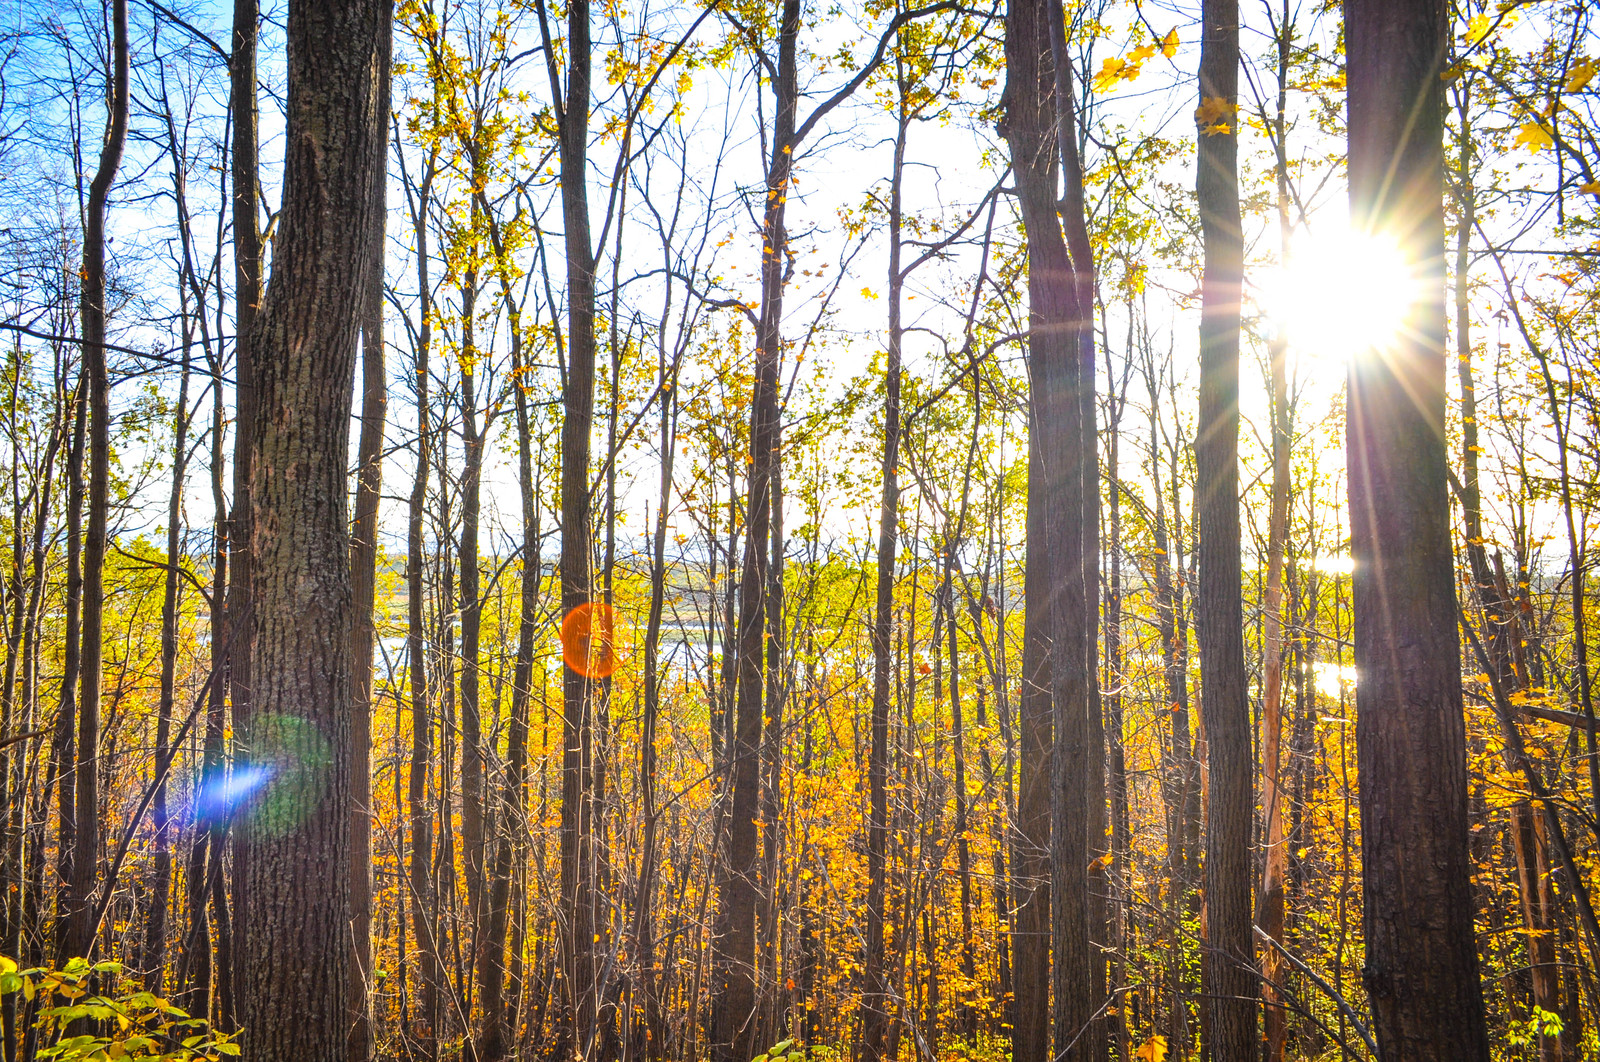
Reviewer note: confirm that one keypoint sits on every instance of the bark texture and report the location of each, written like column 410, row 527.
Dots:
column 1228, row 947
column 295, row 741
column 1052, row 842
column 1422, row 965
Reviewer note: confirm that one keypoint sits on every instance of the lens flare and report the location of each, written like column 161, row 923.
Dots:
column 589, row 640
column 216, row 799
column 289, row 764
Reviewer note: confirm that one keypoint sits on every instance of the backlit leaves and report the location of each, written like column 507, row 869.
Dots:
column 1535, row 136
column 1214, row 116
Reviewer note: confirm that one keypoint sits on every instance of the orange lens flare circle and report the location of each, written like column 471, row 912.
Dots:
column 589, row 640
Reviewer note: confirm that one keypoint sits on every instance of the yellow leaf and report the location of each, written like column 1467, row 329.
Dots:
column 1152, row 1050
column 1169, row 43
column 1110, row 71
column 1477, row 29
column 1212, row 115
column 1141, row 53
column 1581, row 74
column 1592, row 188
column 1535, row 136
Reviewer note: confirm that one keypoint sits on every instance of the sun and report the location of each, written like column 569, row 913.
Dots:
column 1340, row 293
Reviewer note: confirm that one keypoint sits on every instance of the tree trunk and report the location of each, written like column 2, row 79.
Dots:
column 1052, row 843
column 734, row 989
column 474, row 780
column 1539, row 915
column 205, row 847
column 424, row 1033
column 247, row 269
column 649, row 980
column 1228, row 947
column 295, row 836
column 584, row 926
column 1270, row 901
column 364, row 634
column 93, row 310
column 153, row 959
column 1122, row 848
column 1421, row 962
column 492, row 1042
column 875, row 1002
column 1079, row 776
column 64, row 741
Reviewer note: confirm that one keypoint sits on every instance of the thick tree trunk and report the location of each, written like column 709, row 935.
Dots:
column 1052, row 844
column 1083, row 1022
column 1421, row 963
column 295, row 740
column 1228, row 949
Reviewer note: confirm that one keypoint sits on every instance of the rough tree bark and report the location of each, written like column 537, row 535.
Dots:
column 295, row 740
column 1078, row 783
column 1054, row 726
column 1228, row 949
column 1422, row 963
